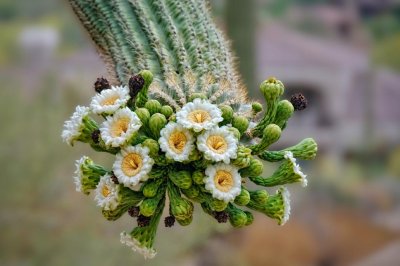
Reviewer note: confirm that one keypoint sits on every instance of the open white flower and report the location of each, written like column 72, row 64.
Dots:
column 199, row 115
column 107, row 193
column 176, row 141
column 75, row 127
column 132, row 165
column 118, row 129
column 218, row 144
column 79, row 175
column 286, row 203
column 110, row 100
column 127, row 239
column 223, row 181
column 296, row 168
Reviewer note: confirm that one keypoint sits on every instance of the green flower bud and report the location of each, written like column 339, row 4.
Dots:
column 126, row 198
column 217, row 205
column 149, row 205
column 272, row 89
column 172, row 118
column 256, row 107
column 153, row 146
column 192, row 192
column 87, row 175
column 227, row 114
column 157, row 172
column 198, row 177
column 180, row 208
column 186, row 221
column 256, row 168
column 142, row 97
column 181, row 179
column 237, row 217
column 235, row 132
column 156, row 123
column 241, row 123
column 250, row 218
column 153, row 106
column 283, row 112
column 287, row 173
column 305, row 150
column 167, row 111
column 259, row 196
column 271, row 134
column 151, row 186
column 197, row 95
column 243, row 157
column 243, row 198
column 143, row 114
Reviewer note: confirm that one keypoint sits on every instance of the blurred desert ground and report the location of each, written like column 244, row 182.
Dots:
column 343, row 55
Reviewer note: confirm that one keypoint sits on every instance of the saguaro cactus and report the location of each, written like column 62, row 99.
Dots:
column 182, row 127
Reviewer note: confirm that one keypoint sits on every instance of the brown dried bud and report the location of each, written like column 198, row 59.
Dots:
column 221, row 217
column 298, row 101
column 96, row 136
column 143, row 221
column 136, row 83
column 169, row 221
column 114, row 179
column 134, row 211
column 101, row 84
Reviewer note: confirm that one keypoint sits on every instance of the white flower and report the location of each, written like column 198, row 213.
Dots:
column 118, row 129
column 199, row 115
column 148, row 253
column 176, row 141
column 78, row 173
column 132, row 165
column 110, row 100
column 223, row 181
column 286, row 204
column 106, row 193
column 73, row 127
column 218, row 144
column 296, row 168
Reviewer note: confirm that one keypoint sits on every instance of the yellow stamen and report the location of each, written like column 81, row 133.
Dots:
column 105, row 191
column 131, row 164
column 199, row 116
column 177, row 141
column 120, row 126
column 110, row 101
column 223, row 180
column 217, row 143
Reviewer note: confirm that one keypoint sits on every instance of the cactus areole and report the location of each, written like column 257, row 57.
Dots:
column 177, row 122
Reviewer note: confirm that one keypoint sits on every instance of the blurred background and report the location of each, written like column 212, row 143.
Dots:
column 343, row 55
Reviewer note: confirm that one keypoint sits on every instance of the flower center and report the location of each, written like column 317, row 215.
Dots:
column 217, row 144
column 223, row 180
column 177, row 141
column 110, row 100
column 199, row 116
column 131, row 164
column 105, row 191
column 120, row 126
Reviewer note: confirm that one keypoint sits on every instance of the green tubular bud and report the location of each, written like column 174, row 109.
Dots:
column 150, row 188
column 153, row 106
column 181, row 179
column 259, row 196
column 157, row 172
column 272, row 89
column 142, row 97
column 237, row 217
column 305, row 150
column 192, row 193
column 198, row 177
column 284, row 111
column 167, row 111
column 186, row 221
column 235, row 132
column 153, row 146
column 271, row 134
column 149, row 205
column 195, row 155
column 217, row 205
column 243, row 198
column 156, row 123
column 255, row 168
column 250, row 218
column 180, row 208
column 277, row 206
column 143, row 237
column 227, row 114
column 161, row 160
column 287, row 173
column 243, row 157
column 172, row 118
column 256, row 107
column 87, row 175
column 137, row 138
column 197, row 95
column 126, row 198
column 241, row 123
column 143, row 114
